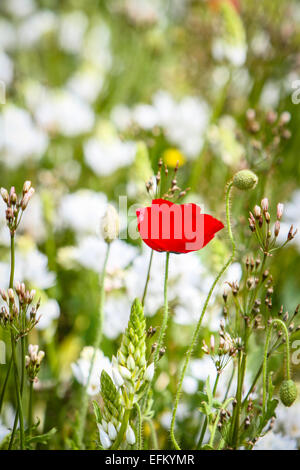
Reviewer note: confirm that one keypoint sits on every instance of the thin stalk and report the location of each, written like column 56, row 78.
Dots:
column 197, row 330
column 140, row 422
column 30, row 407
column 162, row 328
column 11, row 284
column 19, row 398
column 147, row 279
column 204, row 427
column 153, row 434
column 213, row 433
column 241, row 378
column 265, row 362
column 5, row 383
column 84, row 399
column 166, row 311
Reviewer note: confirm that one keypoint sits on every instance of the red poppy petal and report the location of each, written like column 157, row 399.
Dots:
column 180, row 230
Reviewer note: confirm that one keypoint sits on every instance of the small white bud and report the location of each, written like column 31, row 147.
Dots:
column 104, row 425
column 130, row 362
column 117, row 377
column 26, row 186
column 104, row 439
column 110, row 224
column 112, row 431
column 130, row 436
column 149, row 372
column 125, row 372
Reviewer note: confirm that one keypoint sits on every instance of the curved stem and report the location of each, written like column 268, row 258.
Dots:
column 197, row 330
column 265, row 368
column 98, row 337
column 147, row 279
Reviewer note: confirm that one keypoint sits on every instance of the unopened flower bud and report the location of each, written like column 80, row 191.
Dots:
column 257, row 212
column 26, row 198
column 149, row 373
column 265, row 204
column 280, row 208
column 104, row 438
column 26, row 187
column 292, row 233
column 110, row 224
column 277, row 228
column 130, row 436
column 4, row 195
column 117, row 377
column 288, row 392
column 245, row 180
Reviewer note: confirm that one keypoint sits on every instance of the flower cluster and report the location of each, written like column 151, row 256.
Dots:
column 16, row 206
column 259, row 223
column 227, row 348
column 19, row 314
column 33, row 361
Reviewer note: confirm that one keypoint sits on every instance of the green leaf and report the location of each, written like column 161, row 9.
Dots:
column 97, row 411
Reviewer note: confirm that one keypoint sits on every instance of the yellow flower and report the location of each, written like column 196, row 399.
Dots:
column 171, row 156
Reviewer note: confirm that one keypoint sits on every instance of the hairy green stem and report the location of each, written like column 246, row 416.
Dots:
column 197, row 330
column 84, row 399
column 166, row 311
column 147, row 279
column 153, row 434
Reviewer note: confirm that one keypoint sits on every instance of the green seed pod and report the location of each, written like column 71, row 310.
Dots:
column 245, row 179
column 288, row 392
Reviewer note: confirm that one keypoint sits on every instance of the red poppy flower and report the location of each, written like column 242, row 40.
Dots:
column 177, row 228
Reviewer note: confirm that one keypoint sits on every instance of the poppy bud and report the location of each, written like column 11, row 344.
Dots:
column 110, row 224
column 288, row 392
column 245, row 179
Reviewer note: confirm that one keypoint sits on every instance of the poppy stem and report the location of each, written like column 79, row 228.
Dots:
column 197, row 330
column 166, row 311
column 147, row 279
